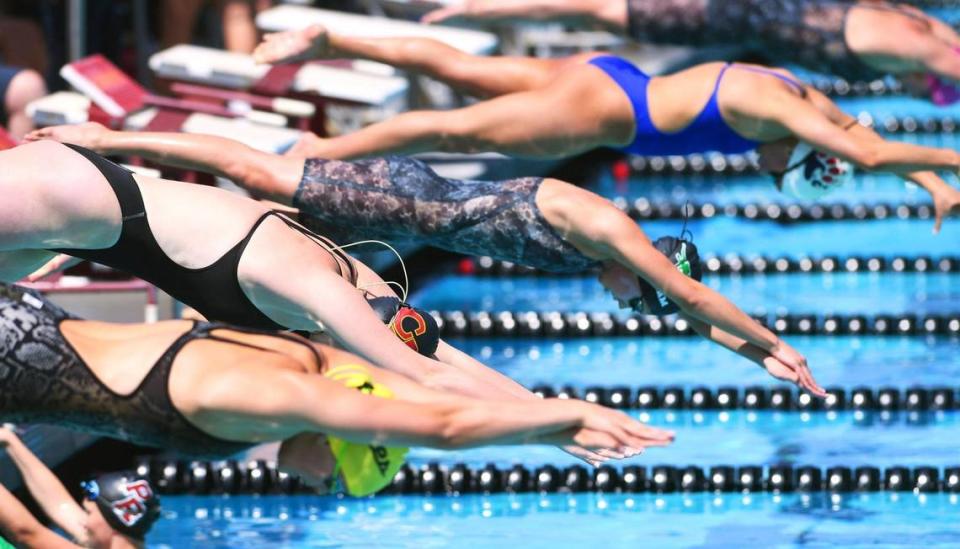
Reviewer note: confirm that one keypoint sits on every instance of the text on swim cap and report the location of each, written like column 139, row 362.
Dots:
column 407, row 336
column 381, row 458
column 130, row 509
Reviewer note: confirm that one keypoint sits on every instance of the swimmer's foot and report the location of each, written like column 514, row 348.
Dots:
column 308, row 146
column 312, row 42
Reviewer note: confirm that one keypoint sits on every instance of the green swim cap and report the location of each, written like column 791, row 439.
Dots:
column 365, row 468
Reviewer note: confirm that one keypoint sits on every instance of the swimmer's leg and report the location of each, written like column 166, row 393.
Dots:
column 477, row 75
column 53, row 197
column 573, row 115
column 481, row 76
column 17, row 265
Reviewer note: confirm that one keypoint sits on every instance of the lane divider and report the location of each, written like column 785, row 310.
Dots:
column 260, row 477
column 753, row 264
column 642, row 209
column 728, row 164
column 866, row 399
column 553, row 324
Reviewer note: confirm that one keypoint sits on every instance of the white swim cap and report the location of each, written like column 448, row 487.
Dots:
column 811, row 174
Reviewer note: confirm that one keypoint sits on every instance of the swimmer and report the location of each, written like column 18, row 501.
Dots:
column 858, row 41
column 230, row 258
column 117, row 511
column 213, row 390
column 543, row 223
column 552, row 108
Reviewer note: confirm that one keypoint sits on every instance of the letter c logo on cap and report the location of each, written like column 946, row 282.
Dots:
column 407, row 336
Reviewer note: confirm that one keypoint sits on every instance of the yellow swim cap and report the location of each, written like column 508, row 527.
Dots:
column 365, row 468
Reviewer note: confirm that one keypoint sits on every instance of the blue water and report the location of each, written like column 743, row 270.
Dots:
column 562, row 520
column 721, row 235
column 754, row 189
column 867, row 187
column 689, row 362
column 762, row 438
column 861, row 293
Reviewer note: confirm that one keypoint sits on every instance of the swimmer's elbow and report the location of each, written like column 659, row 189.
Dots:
column 868, row 158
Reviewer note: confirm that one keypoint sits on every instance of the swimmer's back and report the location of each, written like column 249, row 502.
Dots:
column 196, row 224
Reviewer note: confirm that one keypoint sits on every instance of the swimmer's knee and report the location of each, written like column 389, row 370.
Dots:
column 26, row 86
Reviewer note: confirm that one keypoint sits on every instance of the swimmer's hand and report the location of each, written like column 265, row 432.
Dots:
column 787, row 364
column 293, row 46
column 59, row 263
column 946, row 203
column 594, row 459
column 88, row 134
column 612, row 433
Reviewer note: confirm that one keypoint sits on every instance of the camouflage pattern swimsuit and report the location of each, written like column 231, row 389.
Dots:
column 810, row 33
column 401, row 200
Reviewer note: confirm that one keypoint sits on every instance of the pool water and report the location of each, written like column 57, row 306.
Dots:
column 563, row 520
column 823, row 293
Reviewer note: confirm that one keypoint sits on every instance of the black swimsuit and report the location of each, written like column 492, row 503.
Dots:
column 213, row 290
column 44, row 380
column 811, row 33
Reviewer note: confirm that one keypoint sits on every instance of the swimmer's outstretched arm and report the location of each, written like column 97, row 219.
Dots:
column 601, row 231
column 262, row 174
column 820, row 123
column 608, row 14
column 747, row 350
column 22, row 529
column 45, row 487
column 234, row 404
column 946, row 198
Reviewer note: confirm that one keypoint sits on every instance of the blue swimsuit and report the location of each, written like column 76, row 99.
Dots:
column 708, row 131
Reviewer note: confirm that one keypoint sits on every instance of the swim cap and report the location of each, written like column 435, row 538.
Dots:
column 415, row 327
column 811, row 174
column 942, row 93
column 126, row 501
column 364, row 468
column 684, row 255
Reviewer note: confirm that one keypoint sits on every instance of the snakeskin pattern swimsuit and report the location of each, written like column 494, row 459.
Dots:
column 44, row 380
column 401, row 200
column 810, row 33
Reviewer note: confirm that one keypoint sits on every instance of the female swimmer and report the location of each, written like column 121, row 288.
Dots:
column 213, row 390
column 118, row 510
column 542, row 223
column 229, row 257
column 559, row 107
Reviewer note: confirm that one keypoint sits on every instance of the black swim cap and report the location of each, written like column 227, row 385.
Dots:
column 415, row 327
column 126, row 501
column 684, row 255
